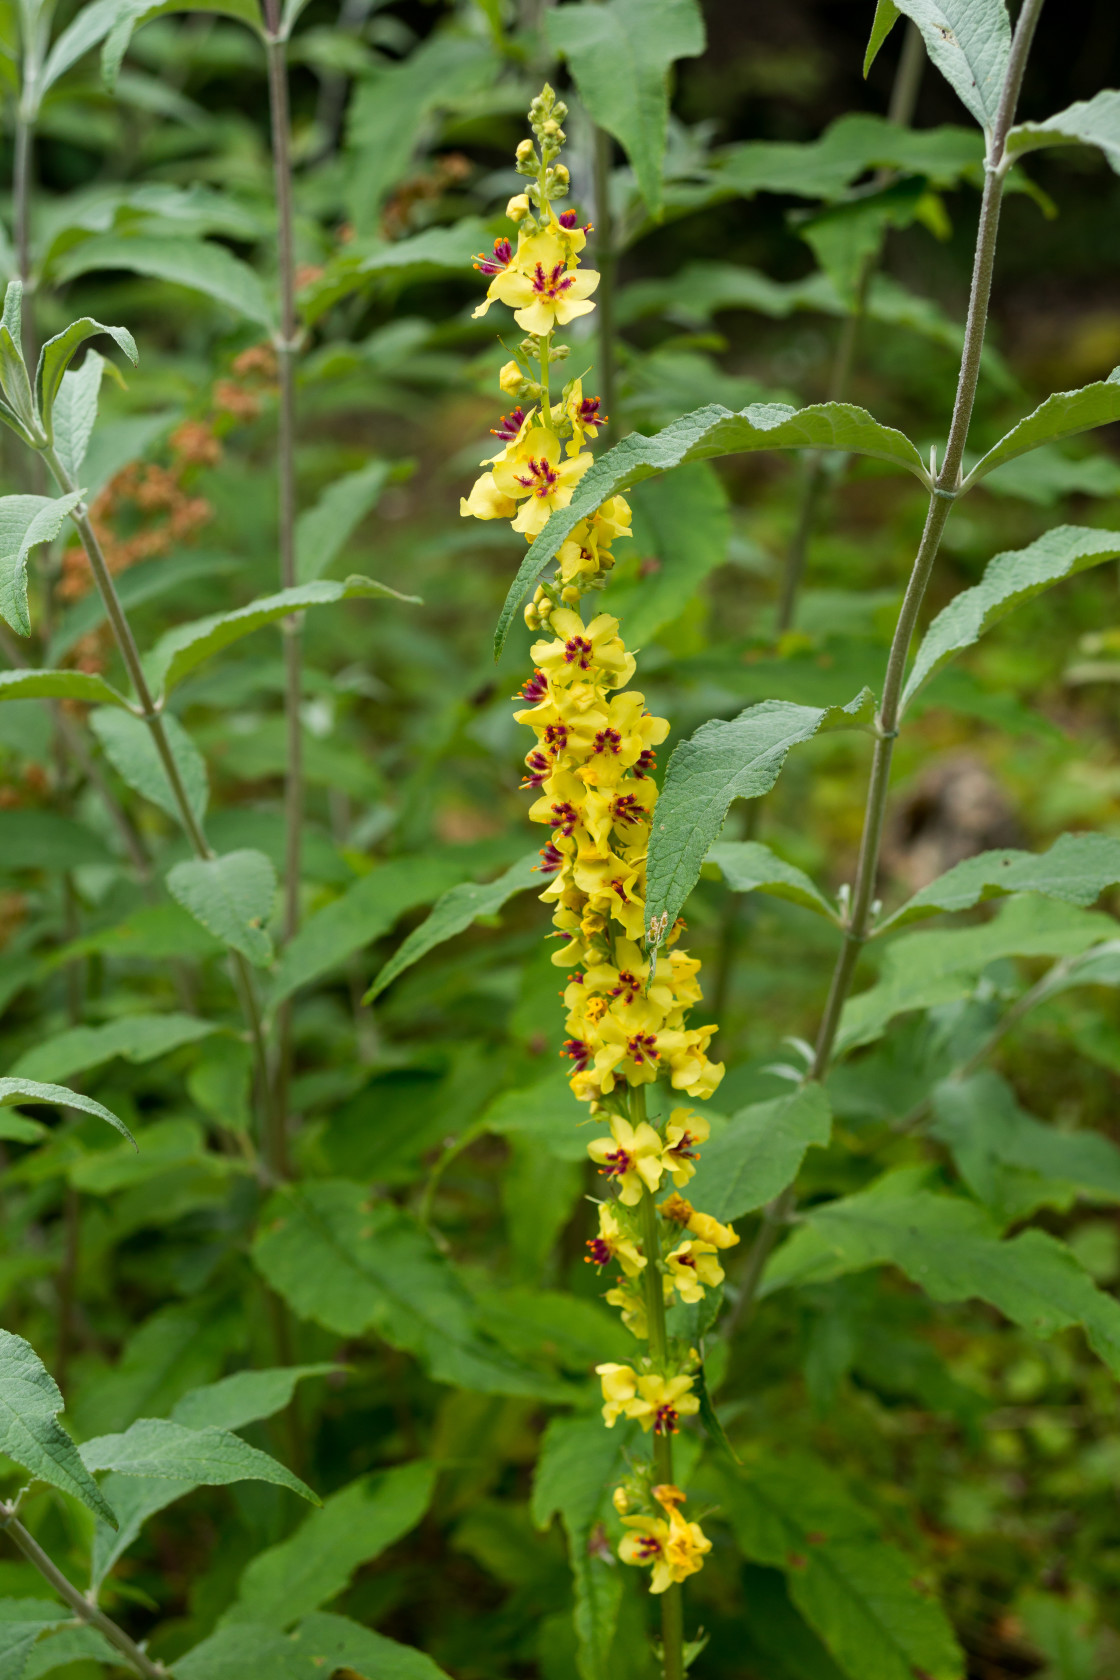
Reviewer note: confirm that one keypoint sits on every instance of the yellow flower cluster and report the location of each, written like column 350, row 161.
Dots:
column 591, row 771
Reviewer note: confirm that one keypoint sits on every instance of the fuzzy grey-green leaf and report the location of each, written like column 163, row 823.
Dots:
column 30, row 1433
column 131, row 751
column 453, row 913
column 232, row 897
column 85, row 686
column 15, row 1090
column 759, row 1153
column 749, row 866
column 1088, row 122
column 158, row 1447
column 1062, row 415
column 1077, row 868
column 25, row 521
column 970, row 43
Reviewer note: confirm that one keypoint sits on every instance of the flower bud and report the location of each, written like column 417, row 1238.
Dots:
column 518, row 207
column 532, row 617
column 525, row 151
column 570, row 595
column 620, row 1499
column 559, row 179
column 511, row 379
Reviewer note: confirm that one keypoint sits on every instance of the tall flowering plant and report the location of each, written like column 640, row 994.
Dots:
column 636, row 1058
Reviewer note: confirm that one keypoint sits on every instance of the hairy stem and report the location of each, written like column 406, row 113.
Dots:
column 606, row 259
column 79, row 1604
column 21, row 209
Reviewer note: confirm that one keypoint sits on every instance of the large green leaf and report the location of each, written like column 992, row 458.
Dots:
column 86, row 686
column 864, row 1598
column 47, row 840
column 620, row 54
column 578, row 1464
column 194, row 263
column 682, row 525
column 22, row 1620
column 887, row 15
column 232, row 897
column 158, row 1447
column 1014, row 1163
column 30, row 1432
column 453, row 913
column 14, row 1091
column 70, row 1645
column 759, row 1153
column 831, row 165
column 546, row 1115
column 749, row 866
column 704, row 434
column 323, row 531
column 129, row 747
column 1076, row 869
column 953, row 1250
column 1063, row 415
column 178, row 652
column 723, row 762
column 26, row 521
column 58, row 352
column 74, row 413
column 138, row 1038
column 335, row 1642
column 288, row 1581
column 921, row 970
column 436, row 250
column 1009, row 579
column 352, row 1265
column 970, row 43
column 1088, row 122
column 236, row 1651
column 245, row 1397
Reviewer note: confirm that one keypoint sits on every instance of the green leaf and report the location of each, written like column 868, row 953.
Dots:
column 1062, row 415
column 354, row 1265
column 130, row 14
column 749, row 866
column 723, row 762
column 178, row 652
column 436, row 250
column 1011, row 578
column 952, row 1249
column 1014, row 1163
column 68, row 1646
column 1076, row 869
column 863, row 1597
column 18, row 1090
column 22, row 1620
column 545, row 1114
column 323, row 531
column 578, row 1464
column 197, row 264
column 13, row 370
column 30, row 1433
column 59, row 685
column 620, row 54
column 89, row 26
column 26, row 521
column 1088, row 122
column 453, row 913
column 288, row 1581
column 829, row 166
column 128, row 745
column 921, row 970
column 887, row 15
column 138, row 1038
column 157, row 1447
column 335, row 1642
column 682, row 526
column 74, row 414
column 245, row 1397
column 759, row 1153
column 704, row 434
column 232, row 897
column 233, row 1653
column 46, row 840
column 57, row 354
column 846, row 237
column 970, row 42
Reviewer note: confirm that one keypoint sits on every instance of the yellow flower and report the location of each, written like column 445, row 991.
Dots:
column 542, row 285
column 594, row 651
column 675, row 1548
column 627, row 981
column 661, row 1402
column 626, row 736
column 691, row 1070
column 531, row 471
column 684, row 1131
column 620, row 1386
column 710, row 1230
column 486, row 501
column 632, row 1306
column 631, row 1156
column 614, row 1243
column 580, row 413
column 692, row 1269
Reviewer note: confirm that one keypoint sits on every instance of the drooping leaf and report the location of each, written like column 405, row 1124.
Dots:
column 1009, row 579
column 760, row 1152
column 199, row 265
column 323, row 531
column 887, row 15
column 620, row 54
column 921, row 970
column 25, row 521
column 1063, row 415
column 58, row 352
column 352, row 1265
column 21, row 1090
column 130, row 14
column 157, row 1447
column 130, row 749
column 952, row 1249
column 30, row 1432
column 970, row 43
column 245, row 1397
column 180, row 650
column 700, row 436
column 682, row 525
column 749, row 866
column 1077, row 868
column 453, row 913
column 335, row 1642
column 1014, row 1163
column 863, row 1597
column 829, row 166
column 723, row 762
column 22, row 1620
column 290, row 1580
column 240, row 1649
column 86, row 686
column 232, row 897
column 1088, row 122
column 138, row 1038
column 75, row 411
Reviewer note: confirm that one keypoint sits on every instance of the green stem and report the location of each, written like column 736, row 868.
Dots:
column 606, row 260
column 86, row 1612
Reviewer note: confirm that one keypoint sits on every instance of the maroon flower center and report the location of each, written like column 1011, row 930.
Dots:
column 509, row 426
column 556, row 734
column 599, row 1252
column 686, row 1260
column 647, row 761
column 576, row 1051
column 535, row 688
column 628, row 983
column 539, row 770
column 578, row 652
column 565, row 817
column 551, row 859
column 649, row 1546
column 542, row 477
column 553, row 284
column 643, row 1048
column 607, row 740
column 626, row 809
column 617, row 1163
column 666, row 1420
column 620, row 888
column 499, row 262
column 684, row 1148
column 589, row 415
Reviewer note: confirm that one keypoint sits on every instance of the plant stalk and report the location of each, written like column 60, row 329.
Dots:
column 81, row 1606
column 606, row 258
